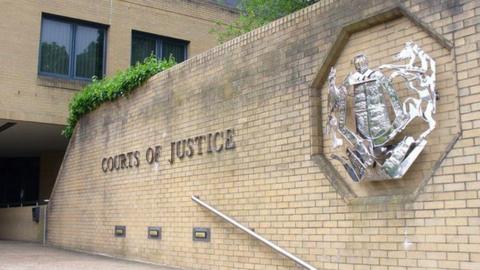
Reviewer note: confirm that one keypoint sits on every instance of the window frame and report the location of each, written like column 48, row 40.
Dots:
column 159, row 39
column 73, row 23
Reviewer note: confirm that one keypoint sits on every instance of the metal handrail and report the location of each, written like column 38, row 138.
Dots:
column 254, row 234
column 22, row 204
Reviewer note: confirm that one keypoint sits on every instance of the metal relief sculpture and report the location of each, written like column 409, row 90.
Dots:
column 377, row 149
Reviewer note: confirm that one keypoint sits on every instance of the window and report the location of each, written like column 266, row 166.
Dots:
column 71, row 49
column 144, row 45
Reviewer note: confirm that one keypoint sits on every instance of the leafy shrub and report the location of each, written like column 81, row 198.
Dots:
column 255, row 13
column 109, row 89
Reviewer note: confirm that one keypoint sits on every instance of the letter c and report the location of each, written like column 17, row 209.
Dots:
column 104, row 165
column 218, row 148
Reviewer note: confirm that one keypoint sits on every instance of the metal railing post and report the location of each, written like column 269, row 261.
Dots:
column 252, row 233
column 44, row 242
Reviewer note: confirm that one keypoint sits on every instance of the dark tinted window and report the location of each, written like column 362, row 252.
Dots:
column 175, row 49
column 55, row 47
column 89, row 52
column 144, row 45
column 71, row 49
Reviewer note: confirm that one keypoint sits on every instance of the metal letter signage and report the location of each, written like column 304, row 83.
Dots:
column 377, row 149
column 213, row 142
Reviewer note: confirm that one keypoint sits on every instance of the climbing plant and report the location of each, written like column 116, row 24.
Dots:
column 111, row 88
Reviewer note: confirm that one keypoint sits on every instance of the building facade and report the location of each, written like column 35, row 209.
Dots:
column 242, row 126
column 51, row 49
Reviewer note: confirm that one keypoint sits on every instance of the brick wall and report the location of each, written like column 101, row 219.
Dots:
column 262, row 84
column 28, row 97
column 17, row 224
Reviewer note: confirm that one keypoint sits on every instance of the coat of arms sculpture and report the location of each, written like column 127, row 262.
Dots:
column 377, row 147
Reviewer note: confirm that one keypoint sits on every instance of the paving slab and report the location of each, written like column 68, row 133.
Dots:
column 31, row 256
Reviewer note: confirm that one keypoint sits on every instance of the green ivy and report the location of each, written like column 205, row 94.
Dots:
column 109, row 89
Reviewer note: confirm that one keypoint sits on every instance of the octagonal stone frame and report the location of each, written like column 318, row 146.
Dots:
column 343, row 35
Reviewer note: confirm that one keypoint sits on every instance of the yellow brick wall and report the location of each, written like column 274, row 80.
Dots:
column 261, row 85
column 17, row 224
column 26, row 97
